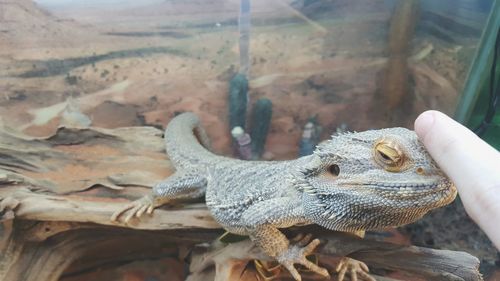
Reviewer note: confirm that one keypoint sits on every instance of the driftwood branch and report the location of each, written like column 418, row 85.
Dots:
column 42, row 207
column 66, row 186
column 417, row 261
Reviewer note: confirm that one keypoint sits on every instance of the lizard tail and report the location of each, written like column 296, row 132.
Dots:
column 186, row 141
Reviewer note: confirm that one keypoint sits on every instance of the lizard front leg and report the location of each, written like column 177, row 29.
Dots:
column 178, row 186
column 276, row 245
column 262, row 221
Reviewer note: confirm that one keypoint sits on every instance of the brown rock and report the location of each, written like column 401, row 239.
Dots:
column 112, row 115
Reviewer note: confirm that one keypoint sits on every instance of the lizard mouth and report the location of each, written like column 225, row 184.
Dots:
column 425, row 195
column 416, row 187
column 406, row 189
column 438, row 192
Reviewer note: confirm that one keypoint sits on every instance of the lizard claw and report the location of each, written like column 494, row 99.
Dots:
column 356, row 268
column 297, row 254
column 136, row 208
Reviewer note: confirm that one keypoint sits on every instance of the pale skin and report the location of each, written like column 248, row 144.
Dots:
column 472, row 164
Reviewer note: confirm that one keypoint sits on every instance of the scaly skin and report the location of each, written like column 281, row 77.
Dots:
column 353, row 182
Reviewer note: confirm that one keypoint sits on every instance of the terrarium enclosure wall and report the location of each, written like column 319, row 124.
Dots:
column 289, row 73
column 364, row 64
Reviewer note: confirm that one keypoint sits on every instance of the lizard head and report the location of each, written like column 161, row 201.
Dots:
column 371, row 180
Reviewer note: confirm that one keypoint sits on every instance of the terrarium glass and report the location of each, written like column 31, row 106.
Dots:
column 269, row 80
column 345, row 63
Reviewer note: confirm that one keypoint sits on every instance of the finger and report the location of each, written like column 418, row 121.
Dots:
column 115, row 215
column 462, row 155
column 470, row 163
column 141, row 211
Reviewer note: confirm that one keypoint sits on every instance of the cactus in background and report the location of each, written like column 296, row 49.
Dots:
column 238, row 86
column 238, row 99
column 261, row 118
column 244, row 29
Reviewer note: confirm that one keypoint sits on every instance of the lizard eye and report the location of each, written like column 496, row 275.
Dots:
column 389, row 156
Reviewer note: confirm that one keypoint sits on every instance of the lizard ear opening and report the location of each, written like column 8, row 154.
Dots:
column 330, row 172
column 334, row 170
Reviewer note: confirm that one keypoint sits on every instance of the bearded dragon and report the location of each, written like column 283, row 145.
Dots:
column 353, row 182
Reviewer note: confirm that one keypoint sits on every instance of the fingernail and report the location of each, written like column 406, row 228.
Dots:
column 423, row 123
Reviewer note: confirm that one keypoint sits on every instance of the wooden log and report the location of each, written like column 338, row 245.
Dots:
column 73, row 248
column 32, row 261
column 419, row 261
column 416, row 261
column 70, row 213
column 41, row 207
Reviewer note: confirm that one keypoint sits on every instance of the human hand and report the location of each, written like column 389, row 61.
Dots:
column 472, row 165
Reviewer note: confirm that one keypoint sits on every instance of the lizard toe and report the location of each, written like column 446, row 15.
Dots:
column 132, row 213
column 150, row 209
column 315, row 268
column 301, row 239
column 293, row 271
column 141, row 211
column 135, row 209
column 311, row 246
column 355, row 268
column 296, row 254
column 116, row 215
column 341, row 273
column 297, row 238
